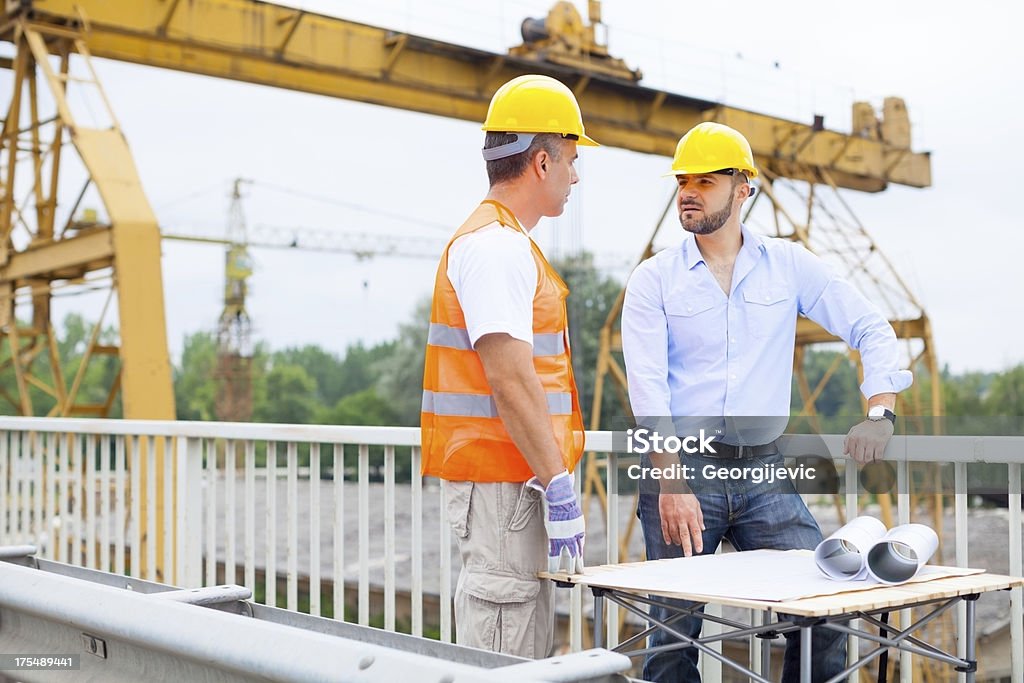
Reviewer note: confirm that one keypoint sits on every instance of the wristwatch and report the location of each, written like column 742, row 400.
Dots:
column 881, row 413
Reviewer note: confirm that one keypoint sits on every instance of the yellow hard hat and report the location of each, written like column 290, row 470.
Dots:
column 536, row 104
column 710, row 147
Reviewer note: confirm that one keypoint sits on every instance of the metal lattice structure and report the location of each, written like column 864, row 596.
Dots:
column 234, row 329
column 40, row 255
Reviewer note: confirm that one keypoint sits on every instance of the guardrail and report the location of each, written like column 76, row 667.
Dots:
column 150, row 630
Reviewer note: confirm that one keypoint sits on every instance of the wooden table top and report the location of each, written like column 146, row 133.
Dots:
column 863, row 599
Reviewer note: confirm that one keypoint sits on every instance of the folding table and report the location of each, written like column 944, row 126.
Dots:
column 937, row 590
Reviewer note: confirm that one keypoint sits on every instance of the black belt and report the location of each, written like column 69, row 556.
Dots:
column 726, row 451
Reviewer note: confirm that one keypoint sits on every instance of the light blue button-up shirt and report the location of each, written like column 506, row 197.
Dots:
column 692, row 350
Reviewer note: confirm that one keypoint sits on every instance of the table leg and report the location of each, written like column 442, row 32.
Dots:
column 598, row 618
column 766, row 647
column 805, row 654
column 972, row 601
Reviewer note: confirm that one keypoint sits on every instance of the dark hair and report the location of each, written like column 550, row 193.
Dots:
column 510, row 168
column 739, row 178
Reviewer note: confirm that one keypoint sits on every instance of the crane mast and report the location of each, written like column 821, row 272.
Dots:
column 234, row 329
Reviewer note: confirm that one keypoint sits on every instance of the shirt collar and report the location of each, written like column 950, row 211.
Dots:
column 752, row 241
column 752, row 244
column 691, row 254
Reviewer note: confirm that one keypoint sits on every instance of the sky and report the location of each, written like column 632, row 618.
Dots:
column 379, row 170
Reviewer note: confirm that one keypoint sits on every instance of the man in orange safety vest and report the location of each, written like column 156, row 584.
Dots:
column 501, row 420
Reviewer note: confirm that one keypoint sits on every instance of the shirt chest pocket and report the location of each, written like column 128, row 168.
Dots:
column 769, row 311
column 690, row 320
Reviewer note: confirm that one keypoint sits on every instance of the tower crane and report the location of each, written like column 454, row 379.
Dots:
column 234, row 343
column 362, row 245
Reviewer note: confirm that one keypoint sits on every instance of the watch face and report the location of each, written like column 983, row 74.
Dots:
column 881, row 413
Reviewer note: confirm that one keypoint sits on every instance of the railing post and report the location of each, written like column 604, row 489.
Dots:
column 903, row 517
column 612, row 526
column 188, row 537
column 1016, row 562
column 417, row 543
column 4, row 478
column 960, row 515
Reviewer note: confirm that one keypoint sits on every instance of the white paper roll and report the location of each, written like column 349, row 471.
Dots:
column 901, row 553
column 843, row 555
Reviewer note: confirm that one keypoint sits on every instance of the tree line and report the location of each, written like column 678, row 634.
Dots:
column 378, row 384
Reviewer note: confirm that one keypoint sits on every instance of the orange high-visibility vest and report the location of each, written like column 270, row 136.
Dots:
column 463, row 437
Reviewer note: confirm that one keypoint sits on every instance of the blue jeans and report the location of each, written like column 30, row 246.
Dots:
column 751, row 516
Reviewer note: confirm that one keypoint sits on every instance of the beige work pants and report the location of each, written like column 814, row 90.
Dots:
column 500, row 604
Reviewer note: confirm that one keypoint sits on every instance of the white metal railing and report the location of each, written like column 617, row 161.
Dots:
column 179, row 502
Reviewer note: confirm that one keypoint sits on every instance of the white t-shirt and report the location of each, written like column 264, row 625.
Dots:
column 495, row 278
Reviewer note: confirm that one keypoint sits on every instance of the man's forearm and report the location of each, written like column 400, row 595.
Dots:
column 887, row 400
column 666, row 461
column 522, row 406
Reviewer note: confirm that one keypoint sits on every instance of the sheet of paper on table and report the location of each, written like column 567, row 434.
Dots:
column 771, row 575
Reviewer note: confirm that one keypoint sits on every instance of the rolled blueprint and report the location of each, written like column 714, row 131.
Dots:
column 899, row 555
column 843, row 555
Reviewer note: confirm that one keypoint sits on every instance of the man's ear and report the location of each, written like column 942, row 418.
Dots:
column 541, row 162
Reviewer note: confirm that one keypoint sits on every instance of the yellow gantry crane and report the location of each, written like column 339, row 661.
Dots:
column 267, row 44
column 262, row 43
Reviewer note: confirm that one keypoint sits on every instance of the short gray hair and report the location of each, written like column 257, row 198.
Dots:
column 510, row 168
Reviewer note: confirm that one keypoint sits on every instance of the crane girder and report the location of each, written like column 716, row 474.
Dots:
column 263, row 43
column 66, row 259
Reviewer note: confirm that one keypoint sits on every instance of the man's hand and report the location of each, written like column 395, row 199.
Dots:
column 681, row 521
column 563, row 521
column 867, row 440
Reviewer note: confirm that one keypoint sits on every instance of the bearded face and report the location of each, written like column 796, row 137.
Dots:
column 694, row 213
column 699, row 221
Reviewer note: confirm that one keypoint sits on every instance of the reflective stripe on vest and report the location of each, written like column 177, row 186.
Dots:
column 550, row 344
column 482, row 405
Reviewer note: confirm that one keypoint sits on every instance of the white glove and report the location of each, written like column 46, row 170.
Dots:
column 563, row 520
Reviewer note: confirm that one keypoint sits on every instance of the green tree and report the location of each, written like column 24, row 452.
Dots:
column 362, row 366
column 195, row 385
column 336, row 377
column 840, row 397
column 365, row 407
column 591, row 296
column 73, row 336
column 326, row 367
column 290, row 396
column 963, row 395
column 1006, row 396
column 401, row 373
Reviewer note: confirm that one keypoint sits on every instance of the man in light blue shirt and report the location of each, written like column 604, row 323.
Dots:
column 708, row 330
